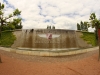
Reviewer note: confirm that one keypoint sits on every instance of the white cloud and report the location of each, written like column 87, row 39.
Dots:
column 61, row 13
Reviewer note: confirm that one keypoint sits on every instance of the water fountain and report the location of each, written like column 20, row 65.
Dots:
column 49, row 40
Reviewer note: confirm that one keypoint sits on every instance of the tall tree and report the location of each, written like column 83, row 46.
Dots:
column 85, row 26
column 78, row 26
column 3, row 20
column 94, row 23
column 82, row 25
column 1, row 16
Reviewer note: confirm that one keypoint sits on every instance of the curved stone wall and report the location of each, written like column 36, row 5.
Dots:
column 49, row 38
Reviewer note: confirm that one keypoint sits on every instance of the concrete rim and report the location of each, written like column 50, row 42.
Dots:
column 48, row 53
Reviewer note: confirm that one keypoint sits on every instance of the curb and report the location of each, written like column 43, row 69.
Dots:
column 48, row 53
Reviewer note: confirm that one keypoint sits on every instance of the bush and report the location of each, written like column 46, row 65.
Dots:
column 7, row 38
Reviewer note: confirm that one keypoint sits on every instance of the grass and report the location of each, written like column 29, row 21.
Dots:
column 89, row 37
column 7, row 38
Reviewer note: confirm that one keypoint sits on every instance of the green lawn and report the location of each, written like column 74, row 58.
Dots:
column 89, row 37
column 7, row 38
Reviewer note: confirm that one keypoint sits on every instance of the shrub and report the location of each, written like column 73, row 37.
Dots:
column 7, row 39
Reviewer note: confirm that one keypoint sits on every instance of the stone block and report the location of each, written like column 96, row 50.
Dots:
column 72, row 52
column 63, row 53
column 13, row 50
column 34, row 53
column 44, row 53
column 26, row 52
column 78, row 51
column 7, row 49
column 19, row 51
column 54, row 54
column 84, row 51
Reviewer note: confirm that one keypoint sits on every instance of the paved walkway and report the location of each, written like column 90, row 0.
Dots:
column 18, row 64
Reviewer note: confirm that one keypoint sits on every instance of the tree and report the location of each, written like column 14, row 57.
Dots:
column 78, row 26
column 94, row 23
column 48, row 27
column 17, row 23
column 85, row 26
column 1, row 16
column 82, row 25
column 3, row 20
column 53, row 27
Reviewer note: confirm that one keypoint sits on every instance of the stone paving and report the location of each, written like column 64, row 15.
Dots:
column 22, row 64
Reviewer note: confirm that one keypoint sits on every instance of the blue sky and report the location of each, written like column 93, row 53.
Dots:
column 63, row 14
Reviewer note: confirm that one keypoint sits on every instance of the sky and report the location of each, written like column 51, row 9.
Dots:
column 63, row 14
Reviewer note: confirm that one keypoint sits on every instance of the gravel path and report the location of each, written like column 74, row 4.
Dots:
column 81, row 64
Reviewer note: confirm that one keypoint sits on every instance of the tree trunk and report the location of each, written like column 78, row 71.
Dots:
column 0, row 31
column 99, row 50
column 1, row 28
column 96, row 35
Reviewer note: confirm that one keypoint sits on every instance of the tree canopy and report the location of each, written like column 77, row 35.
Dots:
column 83, row 26
column 94, row 23
column 11, row 24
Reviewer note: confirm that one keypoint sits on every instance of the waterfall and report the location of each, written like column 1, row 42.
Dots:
column 37, row 38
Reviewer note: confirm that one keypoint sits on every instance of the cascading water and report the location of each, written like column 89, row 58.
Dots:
column 48, row 38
